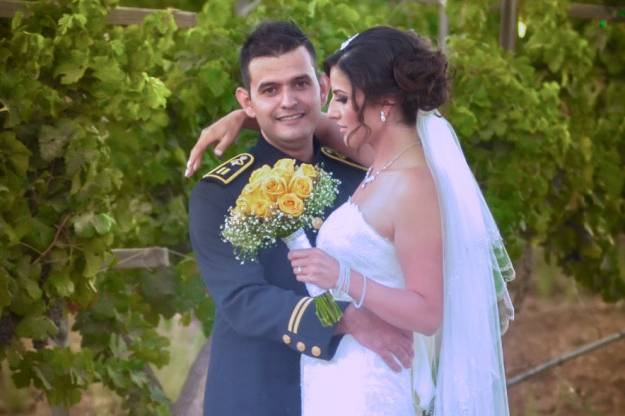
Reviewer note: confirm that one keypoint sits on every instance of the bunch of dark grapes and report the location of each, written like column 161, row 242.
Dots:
column 7, row 328
column 56, row 312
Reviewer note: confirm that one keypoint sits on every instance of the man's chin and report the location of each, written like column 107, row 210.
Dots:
column 293, row 136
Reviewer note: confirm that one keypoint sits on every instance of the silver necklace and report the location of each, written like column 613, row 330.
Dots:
column 370, row 176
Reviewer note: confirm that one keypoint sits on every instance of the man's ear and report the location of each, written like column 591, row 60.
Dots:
column 245, row 101
column 324, row 88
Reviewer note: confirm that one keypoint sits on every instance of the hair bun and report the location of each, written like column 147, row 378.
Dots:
column 384, row 62
column 422, row 76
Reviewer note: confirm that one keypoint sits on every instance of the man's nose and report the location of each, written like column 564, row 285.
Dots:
column 289, row 98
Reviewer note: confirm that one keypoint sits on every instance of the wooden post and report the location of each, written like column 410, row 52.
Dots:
column 130, row 15
column 141, row 258
column 597, row 11
column 191, row 399
column 8, row 8
column 443, row 26
column 508, row 26
column 119, row 16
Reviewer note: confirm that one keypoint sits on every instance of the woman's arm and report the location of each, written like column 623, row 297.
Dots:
column 222, row 133
column 418, row 243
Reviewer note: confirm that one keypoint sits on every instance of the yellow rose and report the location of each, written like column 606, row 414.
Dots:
column 284, row 174
column 261, row 207
column 242, row 205
column 259, row 173
column 286, row 165
column 285, row 168
column 301, row 186
column 307, row 170
column 273, row 185
column 251, row 188
column 290, row 204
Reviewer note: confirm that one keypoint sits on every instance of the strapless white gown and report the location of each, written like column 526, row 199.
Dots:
column 356, row 382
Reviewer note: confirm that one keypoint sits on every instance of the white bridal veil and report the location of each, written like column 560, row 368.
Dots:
column 470, row 378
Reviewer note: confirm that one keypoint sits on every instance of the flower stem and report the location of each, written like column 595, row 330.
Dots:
column 327, row 310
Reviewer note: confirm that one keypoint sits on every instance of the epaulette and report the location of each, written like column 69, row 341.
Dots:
column 229, row 170
column 333, row 154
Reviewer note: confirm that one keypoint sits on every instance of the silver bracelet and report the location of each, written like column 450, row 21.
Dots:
column 363, row 292
column 348, row 277
column 342, row 281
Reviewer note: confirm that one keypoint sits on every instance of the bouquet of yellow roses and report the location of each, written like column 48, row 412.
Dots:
column 279, row 202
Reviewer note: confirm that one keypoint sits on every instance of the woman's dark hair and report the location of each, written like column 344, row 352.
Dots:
column 385, row 62
column 273, row 38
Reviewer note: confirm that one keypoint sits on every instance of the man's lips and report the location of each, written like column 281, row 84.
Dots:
column 290, row 117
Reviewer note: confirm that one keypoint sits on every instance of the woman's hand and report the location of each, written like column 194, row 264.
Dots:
column 221, row 133
column 315, row 266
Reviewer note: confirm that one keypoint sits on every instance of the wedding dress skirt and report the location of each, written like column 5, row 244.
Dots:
column 357, row 382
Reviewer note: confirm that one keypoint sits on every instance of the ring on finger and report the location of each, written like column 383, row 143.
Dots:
column 298, row 269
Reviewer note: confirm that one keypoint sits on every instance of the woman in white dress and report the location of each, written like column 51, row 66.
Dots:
column 416, row 243
column 388, row 235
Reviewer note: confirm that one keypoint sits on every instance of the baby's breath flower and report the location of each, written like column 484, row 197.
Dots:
column 250, row 230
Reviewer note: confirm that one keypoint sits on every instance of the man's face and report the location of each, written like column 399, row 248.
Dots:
column 285, row 97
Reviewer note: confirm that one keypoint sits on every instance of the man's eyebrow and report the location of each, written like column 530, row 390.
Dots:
column 304, row 77
column 266, row 84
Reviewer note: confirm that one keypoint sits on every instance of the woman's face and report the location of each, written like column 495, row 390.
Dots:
column 342, row 109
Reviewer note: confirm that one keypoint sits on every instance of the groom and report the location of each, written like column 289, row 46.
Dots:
column 264, row 318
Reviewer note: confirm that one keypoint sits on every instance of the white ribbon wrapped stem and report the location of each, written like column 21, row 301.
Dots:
column 298, row 241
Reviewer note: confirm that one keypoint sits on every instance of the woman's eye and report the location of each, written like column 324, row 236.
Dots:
column 341, row 99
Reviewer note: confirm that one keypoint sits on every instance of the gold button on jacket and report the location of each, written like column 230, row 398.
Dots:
column 316, row 351
column 286, row 339
column 301, row 346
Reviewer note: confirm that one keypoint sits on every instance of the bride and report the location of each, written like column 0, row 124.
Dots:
column 416, row 243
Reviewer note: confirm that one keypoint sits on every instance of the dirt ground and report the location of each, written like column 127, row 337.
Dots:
column 590, row 385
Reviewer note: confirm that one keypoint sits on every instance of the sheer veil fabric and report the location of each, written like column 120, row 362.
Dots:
column 469, row 373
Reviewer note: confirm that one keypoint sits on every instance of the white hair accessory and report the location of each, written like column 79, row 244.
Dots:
column 348, row 41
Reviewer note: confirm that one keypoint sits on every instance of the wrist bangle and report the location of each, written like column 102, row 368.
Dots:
column 363, row 292
column 340, row 282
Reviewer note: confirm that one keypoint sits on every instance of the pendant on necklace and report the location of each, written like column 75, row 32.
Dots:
column 368, row 179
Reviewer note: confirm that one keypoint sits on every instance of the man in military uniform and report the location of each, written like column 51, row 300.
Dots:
column 264, row 316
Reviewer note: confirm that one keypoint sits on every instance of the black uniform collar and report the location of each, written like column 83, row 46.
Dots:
column 266, row 153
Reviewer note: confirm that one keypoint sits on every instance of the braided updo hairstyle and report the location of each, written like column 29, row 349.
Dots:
column 385, row 62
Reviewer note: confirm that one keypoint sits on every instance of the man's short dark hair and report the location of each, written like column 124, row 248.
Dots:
column 272, row 39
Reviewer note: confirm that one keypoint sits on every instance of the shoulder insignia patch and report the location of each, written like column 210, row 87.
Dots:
column 229, row 170
column 333, row 154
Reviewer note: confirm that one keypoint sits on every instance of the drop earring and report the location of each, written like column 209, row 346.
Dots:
column 382, row 116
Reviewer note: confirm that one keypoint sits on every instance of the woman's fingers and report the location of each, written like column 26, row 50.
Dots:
column 297, row 254
column 195, row 156
column 391, row 361
column 220, row 134
column 225, row 142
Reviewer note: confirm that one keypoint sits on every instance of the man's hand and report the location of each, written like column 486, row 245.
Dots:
column 221, row 133
column 392, row 344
